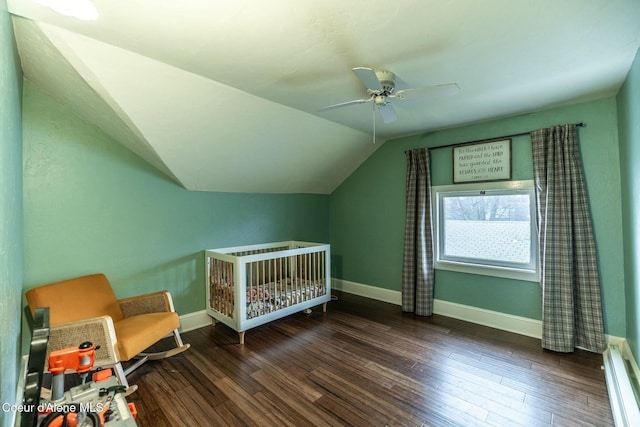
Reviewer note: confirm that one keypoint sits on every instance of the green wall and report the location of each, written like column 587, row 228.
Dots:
column 367, row 211
column 93, row 206
column 629, row 129
column 11, row 243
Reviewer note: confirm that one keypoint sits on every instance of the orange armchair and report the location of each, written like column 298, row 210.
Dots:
column 86, row 309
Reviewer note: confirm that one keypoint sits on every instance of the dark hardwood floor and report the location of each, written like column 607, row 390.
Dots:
column 364, row 363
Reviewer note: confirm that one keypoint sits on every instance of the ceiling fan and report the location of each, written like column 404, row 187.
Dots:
column 380, row 86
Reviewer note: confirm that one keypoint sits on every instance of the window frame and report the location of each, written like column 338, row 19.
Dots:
column 529, row 272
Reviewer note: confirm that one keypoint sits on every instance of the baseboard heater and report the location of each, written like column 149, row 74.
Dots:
column 620, row 384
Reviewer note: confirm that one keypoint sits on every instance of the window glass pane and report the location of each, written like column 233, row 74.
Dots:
column 488, row 228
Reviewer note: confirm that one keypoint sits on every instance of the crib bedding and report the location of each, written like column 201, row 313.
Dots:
column 266, row 298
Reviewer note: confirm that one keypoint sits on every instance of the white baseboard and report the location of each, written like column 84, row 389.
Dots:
column 627, row 354
column 194, row 320
column 506, row 322
column 368, row 291
column 494, row 319
column 620, row 385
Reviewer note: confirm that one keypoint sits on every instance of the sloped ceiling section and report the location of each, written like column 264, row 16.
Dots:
column 47, row 68
column 178, row 116
column 168, row 117
column 226, row 95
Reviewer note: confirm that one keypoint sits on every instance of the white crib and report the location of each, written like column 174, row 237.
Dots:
column 248, row 286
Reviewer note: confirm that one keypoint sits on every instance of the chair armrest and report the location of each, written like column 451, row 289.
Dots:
column 97, row 330
column 156, row 302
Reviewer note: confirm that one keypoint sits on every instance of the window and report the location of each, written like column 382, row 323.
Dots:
column 487, row 228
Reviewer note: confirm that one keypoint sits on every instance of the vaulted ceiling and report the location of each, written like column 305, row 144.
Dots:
column 227, row 95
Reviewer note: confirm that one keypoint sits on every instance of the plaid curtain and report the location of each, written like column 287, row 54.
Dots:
column 571, row 306
column 417, row 268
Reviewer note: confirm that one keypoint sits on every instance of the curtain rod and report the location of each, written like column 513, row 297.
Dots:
column 513, row 135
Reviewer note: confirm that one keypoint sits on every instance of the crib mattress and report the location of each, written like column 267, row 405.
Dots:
column 269, row 297
column 264, row 299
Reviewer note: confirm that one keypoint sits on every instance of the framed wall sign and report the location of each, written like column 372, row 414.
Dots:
column 486, row 161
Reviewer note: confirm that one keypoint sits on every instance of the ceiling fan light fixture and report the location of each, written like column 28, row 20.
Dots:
column 387, row 79
column 380, row 99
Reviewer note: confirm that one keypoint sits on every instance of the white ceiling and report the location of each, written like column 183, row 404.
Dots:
column 225, row 95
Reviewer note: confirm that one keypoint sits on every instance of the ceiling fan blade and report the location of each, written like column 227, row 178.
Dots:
column 368, row 77
column 430, row 91
column 346, row 104
column 388, row 113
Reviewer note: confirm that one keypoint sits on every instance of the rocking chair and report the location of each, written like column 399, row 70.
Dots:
column 86, row 309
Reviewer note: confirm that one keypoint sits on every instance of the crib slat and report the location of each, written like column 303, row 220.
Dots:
column 268, row 308
column 280, row 294
column 273, row 282
column 323, row 279
column 212, row 288
column 309, row 271
column 314, row 269
column 221, row 292
column 229, row 289
column 299, row 278
column 264, row 284
column 249, row 290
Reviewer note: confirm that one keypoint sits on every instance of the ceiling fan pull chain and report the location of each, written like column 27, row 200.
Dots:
column 374, row 121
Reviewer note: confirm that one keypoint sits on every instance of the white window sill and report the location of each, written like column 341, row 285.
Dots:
column 508, row 273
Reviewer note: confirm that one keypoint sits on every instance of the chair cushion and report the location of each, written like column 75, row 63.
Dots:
column 137, row 333
column 76, row 299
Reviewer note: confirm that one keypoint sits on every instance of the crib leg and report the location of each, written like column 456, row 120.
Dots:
column 241, row 336
column 324, row 307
